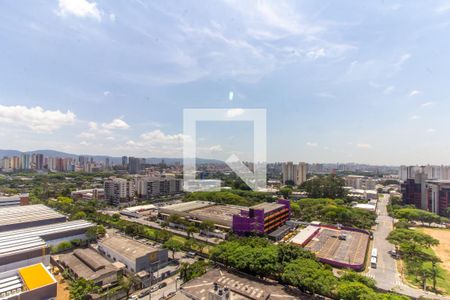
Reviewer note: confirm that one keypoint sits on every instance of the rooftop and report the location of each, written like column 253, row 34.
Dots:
column 219, row 214
column 187, row 206
column 23, row 240
column 127, row 247
column 88, row 263
column 23, row 215
column 267, row 207
column 36, row 276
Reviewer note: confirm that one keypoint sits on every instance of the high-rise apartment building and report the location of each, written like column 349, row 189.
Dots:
column 118, row 190
column 134, row 165
column 294, row 173
column 151, row 186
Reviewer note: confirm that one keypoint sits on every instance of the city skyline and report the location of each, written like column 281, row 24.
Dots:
column 359, row 86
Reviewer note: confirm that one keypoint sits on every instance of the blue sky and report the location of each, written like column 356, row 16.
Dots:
column 342, row 81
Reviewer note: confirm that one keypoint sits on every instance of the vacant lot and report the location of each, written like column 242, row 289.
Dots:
column 443, row 249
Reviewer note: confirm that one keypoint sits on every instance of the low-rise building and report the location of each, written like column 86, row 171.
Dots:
column 16, row 200
column 262, row 218
column 134, row 255
column 90, row 265
column 16, row 217
column 88, row 194
column 28, row 283
column 26, row 246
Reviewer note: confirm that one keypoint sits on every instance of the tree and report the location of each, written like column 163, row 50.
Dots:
column 192, row 271
column 190, row 230
column 128, row 283
column 354, row 291
column 101, row 231
column 91, row 233
column 286, row 192
column 403, row 235
column 352, row 276
column 173, row 245
column 80, row 288
column 80, row 215
column 207, row 226
column 329, row 186
column 310, row 275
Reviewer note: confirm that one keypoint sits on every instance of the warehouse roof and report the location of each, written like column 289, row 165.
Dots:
column 23, row 215
column 126, row 247
column 186, row 206
column 16, row 241
column 88, row 264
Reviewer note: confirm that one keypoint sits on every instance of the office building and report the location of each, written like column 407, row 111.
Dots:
column 124, row 161
column 262, row 218
column 134, row 165
column 28, row 283
column 294, row 174
column 437, row 193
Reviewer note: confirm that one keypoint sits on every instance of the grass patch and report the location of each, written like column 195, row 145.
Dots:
column 442, row 282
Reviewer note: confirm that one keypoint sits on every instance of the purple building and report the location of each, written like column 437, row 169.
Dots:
column 262, row 218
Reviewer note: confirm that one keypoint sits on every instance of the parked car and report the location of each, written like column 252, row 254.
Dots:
column 154, row 288
column 162, row 285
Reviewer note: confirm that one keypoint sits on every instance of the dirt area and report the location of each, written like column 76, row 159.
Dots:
column 443, row 249
column 63, row 288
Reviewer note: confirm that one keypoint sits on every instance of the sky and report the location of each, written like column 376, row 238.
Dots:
column 341, row 81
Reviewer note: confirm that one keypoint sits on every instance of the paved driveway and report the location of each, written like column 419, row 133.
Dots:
column 386, row 274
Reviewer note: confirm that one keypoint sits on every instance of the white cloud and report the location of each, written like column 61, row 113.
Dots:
column 415, row 117
column 86, row 135
column 431, row 130
column 414, row 93
column 235, row 112
column 116, row 124
column 388, row 90
column 326, row 95
column 106, row 93
column 79, row 8
column 35, row 118
column 157, row 136
column 84, row 143
column 364, row 146
column 312, row 144
column 443, row 8
column 215, row 148
column 426, row 104
column 112, row 17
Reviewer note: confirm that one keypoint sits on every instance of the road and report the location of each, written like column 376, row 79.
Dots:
column 173, row 284
column 386, row 274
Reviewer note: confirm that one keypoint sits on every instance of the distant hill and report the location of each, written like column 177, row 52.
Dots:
column 115, row 160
